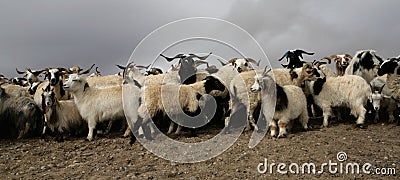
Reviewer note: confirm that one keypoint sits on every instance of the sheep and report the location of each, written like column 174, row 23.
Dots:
column 391, row 67
column 188, row 100
column 132, row 71
column 61, row 116
column 354, row 94
column 290, row 104
column 95, row 104
column 20, row 117
column 18, row 81
column 342, row 61
column 241, row 64
column 30, row 75
column 187, row 70
column 251, row 100
column 3, row 79
column 365, row 63
column 15, row 90
column 381, row 99
column 55, row 78
column 293, row 56
column 104, row 81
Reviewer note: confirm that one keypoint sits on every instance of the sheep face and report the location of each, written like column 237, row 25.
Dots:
column 343, row 60
column 75, row 83
column 256, row 87
column 32, row 89
column 48, row 98
column 53, row 75
column 376, row 100
column 241, row 65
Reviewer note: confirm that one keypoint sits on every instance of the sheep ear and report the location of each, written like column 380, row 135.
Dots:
column 86, row 86
column 380, row 91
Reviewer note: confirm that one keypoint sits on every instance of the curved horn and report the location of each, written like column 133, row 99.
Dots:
column 380, row 91
column 222, row 63
column 304, row 52
column 266, row 71
column 198, row 63
column 19, row 72
column 201, row 57
column 143, row 67
column 97, row 70
column 87, row 71
column 169, row 59
column 284, row 55
column 122, row 67
column 253, row 61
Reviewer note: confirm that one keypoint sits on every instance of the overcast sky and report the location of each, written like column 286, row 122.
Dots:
column 56, row 33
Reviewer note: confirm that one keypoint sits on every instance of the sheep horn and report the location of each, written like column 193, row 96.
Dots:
column 87, row 71
column 169, row 59
column 380, row 91
column 122, row 67
column 19, row 72
column 222, row 63
column 232, row 60
column 198, row 63
column 201, row 57
column 143, row 67
column 266, row 71
column 97, row 70
column 253, row 61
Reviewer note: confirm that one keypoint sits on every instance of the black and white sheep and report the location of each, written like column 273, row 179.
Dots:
column 187, row 101
column 365, row 63
column 290, row 104
column 382, row 101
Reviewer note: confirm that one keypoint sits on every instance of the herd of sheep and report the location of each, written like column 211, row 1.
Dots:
column 68, row 102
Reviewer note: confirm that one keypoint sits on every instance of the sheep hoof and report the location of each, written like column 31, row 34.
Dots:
column 89, row 139
column 282, row 136
column 132, row 140
column 361, row 126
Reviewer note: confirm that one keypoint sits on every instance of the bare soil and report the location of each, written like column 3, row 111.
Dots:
column 111, row 157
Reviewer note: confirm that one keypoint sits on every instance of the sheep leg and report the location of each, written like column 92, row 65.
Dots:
column 304, row 119
column 109, row 126
column 273, row 128
column 361, row 115
column 376, row 118
column 171, row 127
column 92, row 126
column 391, row 116
column 282, row 128
column 327, row 111
column 178, row 129
column 127, row 132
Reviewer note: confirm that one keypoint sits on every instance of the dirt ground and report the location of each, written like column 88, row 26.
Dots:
column 111, row 157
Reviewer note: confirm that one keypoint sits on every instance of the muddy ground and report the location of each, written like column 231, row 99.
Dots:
column 111, row 157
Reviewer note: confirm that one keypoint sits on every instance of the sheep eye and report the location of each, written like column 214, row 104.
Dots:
column 246, row 64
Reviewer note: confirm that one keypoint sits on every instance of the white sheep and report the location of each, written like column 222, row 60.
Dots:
column 290, row 104
column 95, row 104
column 61, row 116
column 349, row 91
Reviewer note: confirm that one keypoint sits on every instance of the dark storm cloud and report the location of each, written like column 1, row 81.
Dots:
column 45, row 33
